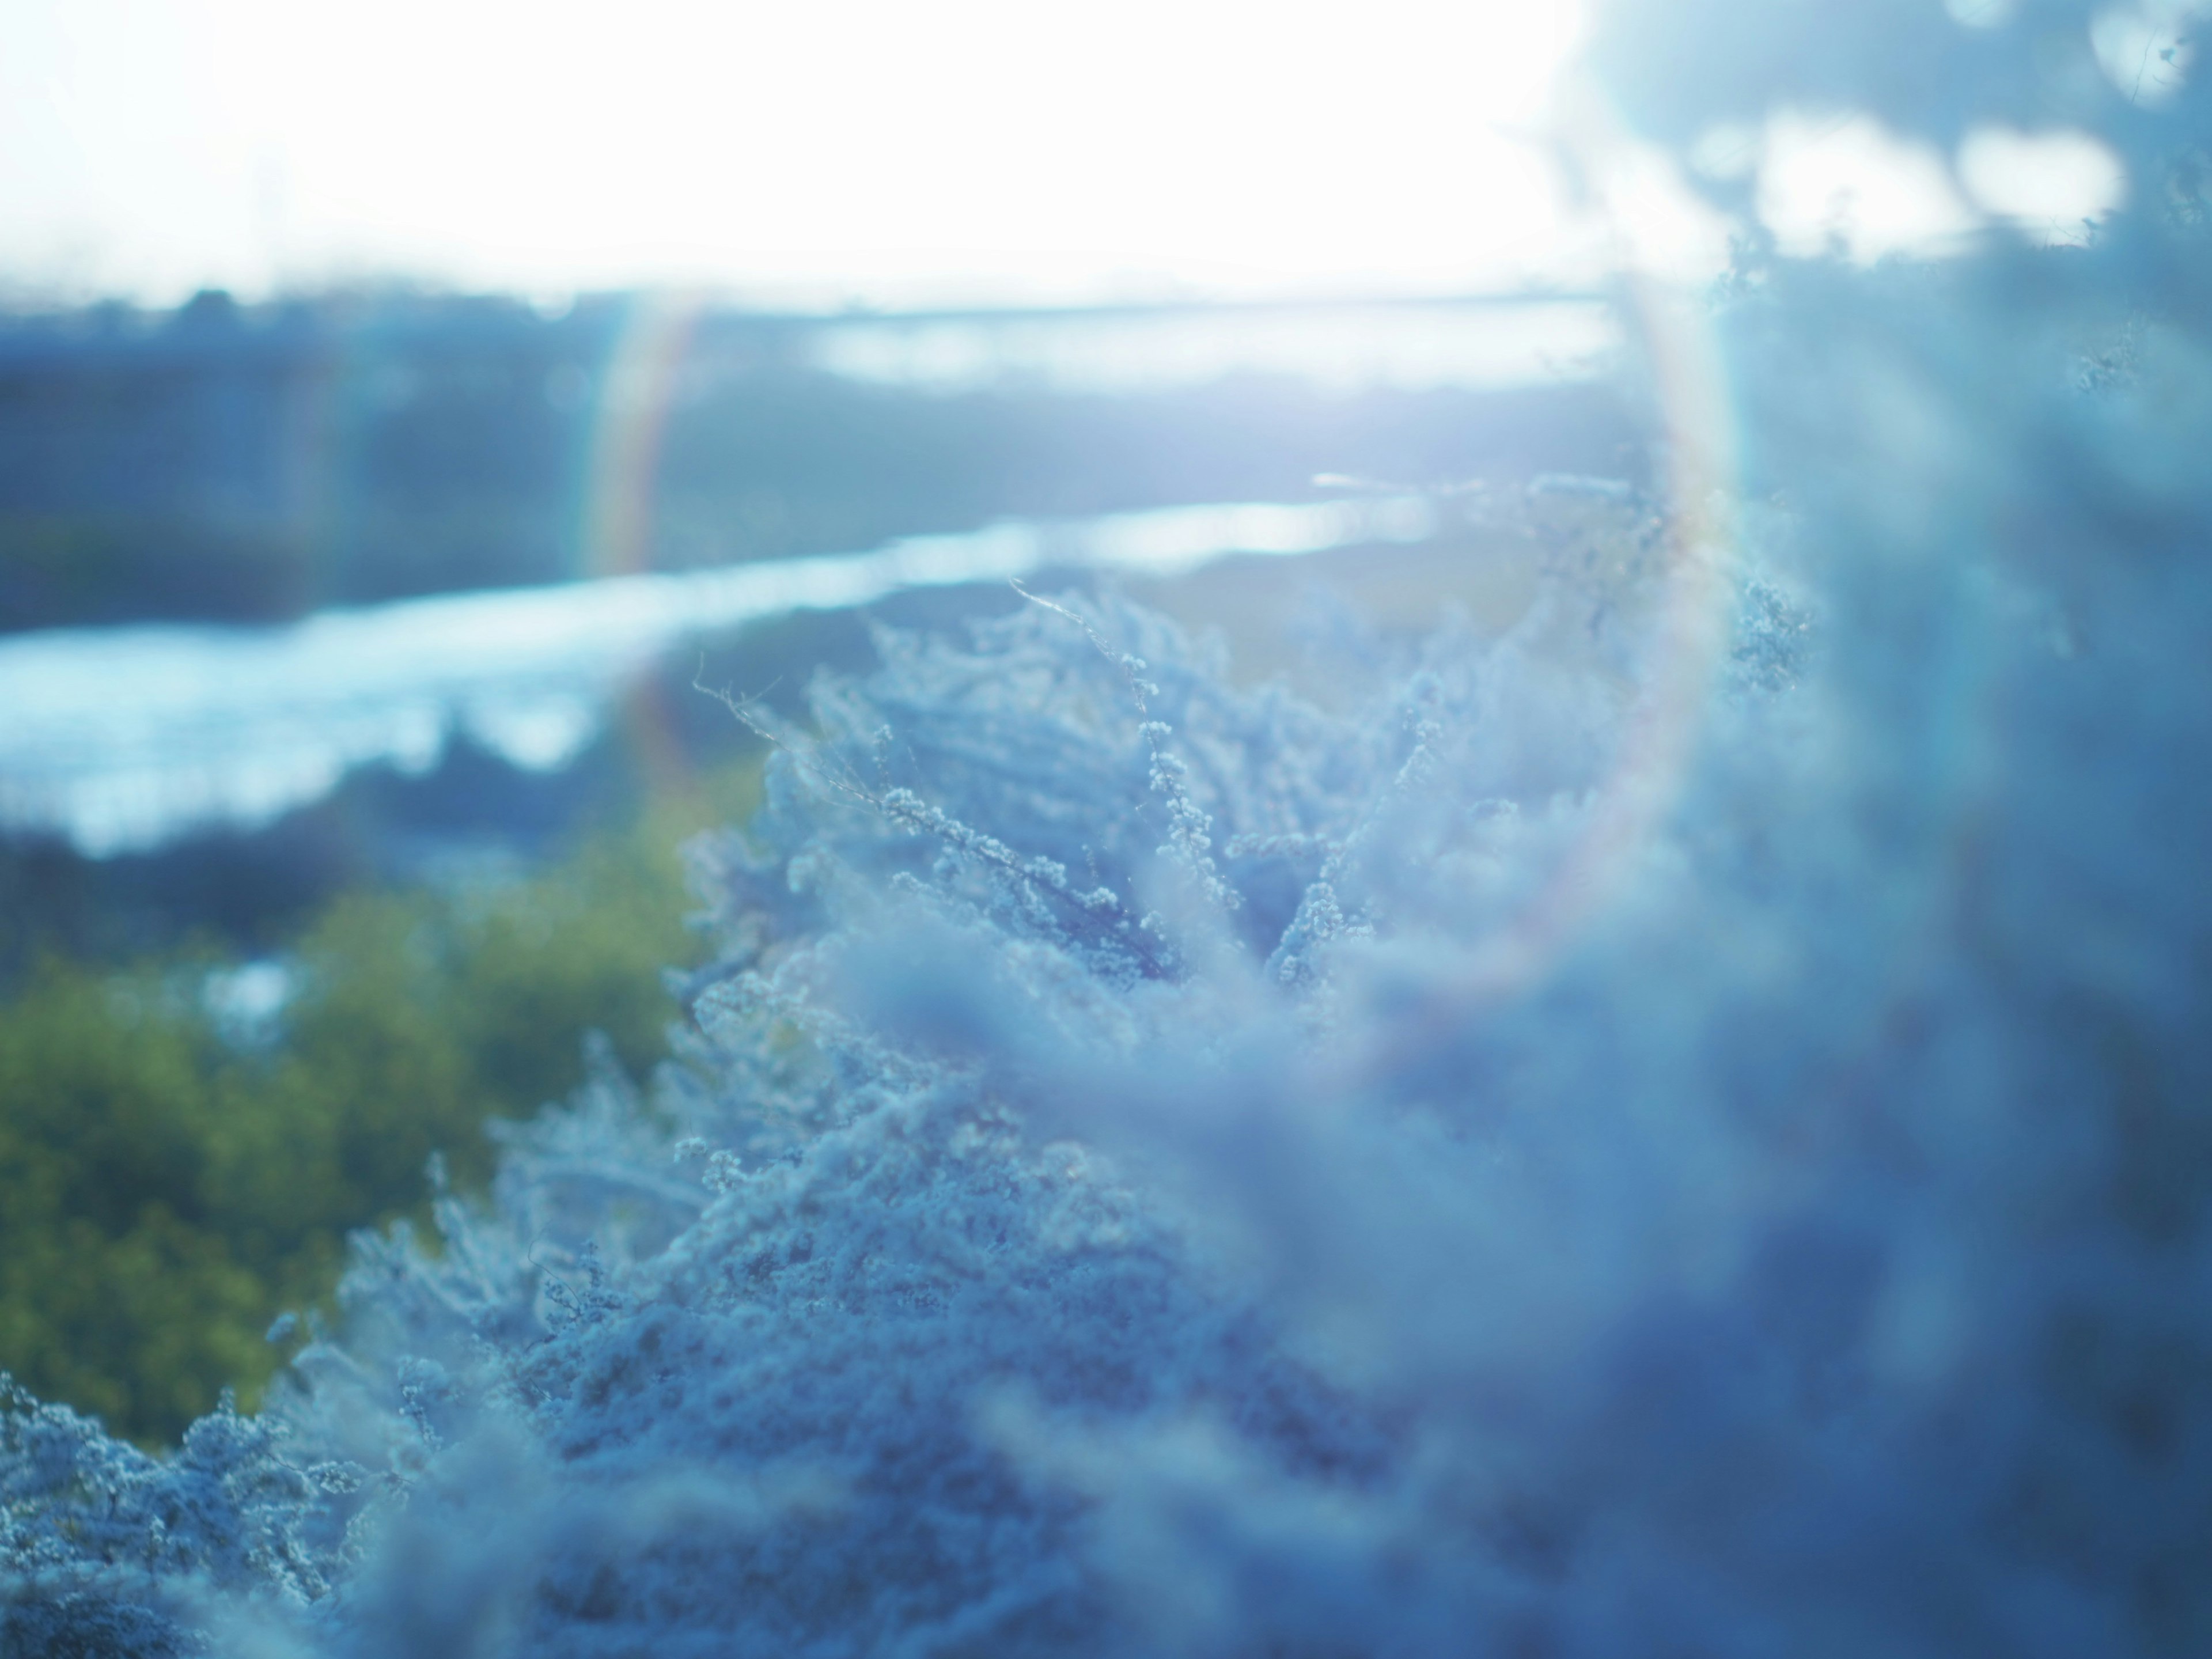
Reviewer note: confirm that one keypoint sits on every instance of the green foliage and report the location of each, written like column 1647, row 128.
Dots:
column 118, row 1289
column 164, row 1191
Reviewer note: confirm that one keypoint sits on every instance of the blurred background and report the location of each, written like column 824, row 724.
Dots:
column 404, row 412
column 311, row 312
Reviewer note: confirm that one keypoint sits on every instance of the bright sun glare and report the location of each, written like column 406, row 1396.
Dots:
column 966, row 148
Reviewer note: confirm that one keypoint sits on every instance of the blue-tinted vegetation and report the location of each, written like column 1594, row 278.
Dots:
column 1680, row 1129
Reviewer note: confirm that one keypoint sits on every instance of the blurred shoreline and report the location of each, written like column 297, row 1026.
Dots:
column 226, row 462
column 193, row 489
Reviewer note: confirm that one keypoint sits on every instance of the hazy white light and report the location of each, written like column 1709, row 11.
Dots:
column 1730, row 149
column 2054, row 183
column 1850, row 183
column 1664, row 227
column 2144, row 48
column 1982, row 14
column 1047, row 147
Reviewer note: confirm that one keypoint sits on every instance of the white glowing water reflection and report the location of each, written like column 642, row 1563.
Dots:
column 1483, row 346
column 119, row 739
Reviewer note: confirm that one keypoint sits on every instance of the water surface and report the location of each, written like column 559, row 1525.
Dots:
column 120, row 739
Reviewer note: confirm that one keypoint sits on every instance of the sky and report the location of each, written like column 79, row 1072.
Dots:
column 950, row 151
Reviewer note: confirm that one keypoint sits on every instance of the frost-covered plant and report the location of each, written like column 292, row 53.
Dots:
column 1680, row 1129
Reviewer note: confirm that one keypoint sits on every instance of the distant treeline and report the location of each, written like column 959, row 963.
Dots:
column 227, row 463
